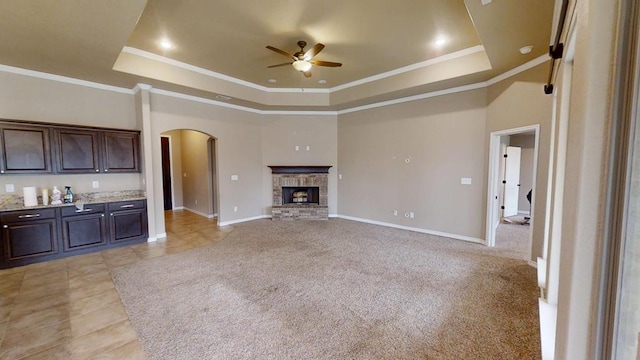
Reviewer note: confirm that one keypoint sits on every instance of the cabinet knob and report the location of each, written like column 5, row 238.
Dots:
column 106, row 170
column 97, row 170
column 5, row 226
column 2, row 171
column 102, row 215
column 111, row 214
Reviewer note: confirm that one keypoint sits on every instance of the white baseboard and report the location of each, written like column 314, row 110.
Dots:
column 533, row 264
column 178, row 208
column 155, row 238
column 420, row 230
column 208, row 216
column 333, row 215
column 231, row 222
column 523, row 212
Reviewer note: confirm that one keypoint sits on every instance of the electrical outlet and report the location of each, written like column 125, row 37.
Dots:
column 297, row 148
column 395, row 212
column 339, row 176
column 412, row 215
column 95, row 184
column 9, row 188
column 235, row 209
column 196, row 202
column 308, row 147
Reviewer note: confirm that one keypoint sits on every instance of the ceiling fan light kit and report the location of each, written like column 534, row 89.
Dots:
column 302, row 60
column 302, row 65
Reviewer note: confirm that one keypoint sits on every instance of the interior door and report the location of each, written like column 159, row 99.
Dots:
column 511, row 181
column 166, row 173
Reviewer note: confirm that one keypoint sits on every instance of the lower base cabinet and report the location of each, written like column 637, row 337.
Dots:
column 30, row 236
column 84, row 228
column 128, row 220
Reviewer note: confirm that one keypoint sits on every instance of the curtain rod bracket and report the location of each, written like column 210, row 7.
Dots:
column 557, row 52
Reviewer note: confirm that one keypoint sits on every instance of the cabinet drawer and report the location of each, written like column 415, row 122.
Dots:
column 126, row 205
column 87, row 209
column 26, row 215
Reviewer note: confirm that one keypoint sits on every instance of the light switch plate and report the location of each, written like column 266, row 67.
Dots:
column 9, row 188
column 465, row 181
column 234, row 177
column 95, row 184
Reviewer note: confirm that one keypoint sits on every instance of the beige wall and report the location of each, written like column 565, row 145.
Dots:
column 410, row 157
column 520, row 101
column 239, row 139
column 33, row 99
column 282, row 133
column 195, row 172
column 526, row 143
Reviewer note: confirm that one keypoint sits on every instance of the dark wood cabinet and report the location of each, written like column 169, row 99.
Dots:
column 84, row 228
column 29, row 236
column 128, row 221
column 76, row 151
column 121, row 152
column 45, row 148
column 24, row 149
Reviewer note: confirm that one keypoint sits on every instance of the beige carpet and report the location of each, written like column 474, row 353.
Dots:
column 332, row 290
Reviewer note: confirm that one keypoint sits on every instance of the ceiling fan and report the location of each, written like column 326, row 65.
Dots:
column 302, row 61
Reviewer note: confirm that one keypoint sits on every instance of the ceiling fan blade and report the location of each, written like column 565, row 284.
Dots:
column 325, row 63
column 283, row 64
column 281, row 52
column 313, row 51
column 307, row 73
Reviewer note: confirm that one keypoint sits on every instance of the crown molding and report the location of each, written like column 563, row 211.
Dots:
column 59, row 78
column 517, row 70
column 416, row 66
column 62, row 79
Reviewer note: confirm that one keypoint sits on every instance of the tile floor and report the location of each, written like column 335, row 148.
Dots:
column 70, row 309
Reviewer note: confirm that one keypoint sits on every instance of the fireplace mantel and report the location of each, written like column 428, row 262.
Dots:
column 306, row 169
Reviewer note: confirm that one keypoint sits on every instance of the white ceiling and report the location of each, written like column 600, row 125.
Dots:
column 386, row 47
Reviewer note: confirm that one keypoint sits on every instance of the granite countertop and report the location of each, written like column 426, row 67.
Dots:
column 16, row 202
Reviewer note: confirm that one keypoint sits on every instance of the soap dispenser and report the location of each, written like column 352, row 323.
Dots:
column 68, row 195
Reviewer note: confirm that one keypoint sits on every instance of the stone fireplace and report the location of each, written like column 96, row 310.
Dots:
column 300, row 192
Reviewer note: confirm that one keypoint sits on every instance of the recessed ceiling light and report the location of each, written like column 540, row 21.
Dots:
column 439, row 41
column 166, row 44
column 273, row 81
column 322, row 81
column 526, row 49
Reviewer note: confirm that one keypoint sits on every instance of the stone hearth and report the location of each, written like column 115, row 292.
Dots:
column 310, row 179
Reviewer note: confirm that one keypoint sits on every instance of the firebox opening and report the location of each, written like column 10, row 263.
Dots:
column 300, row 195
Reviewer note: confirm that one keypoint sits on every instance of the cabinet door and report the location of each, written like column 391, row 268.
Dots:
column 128, row 225
column 83, row 228
column 25, row 150
column 121, row 152
column 76, row 151
column 33, row 239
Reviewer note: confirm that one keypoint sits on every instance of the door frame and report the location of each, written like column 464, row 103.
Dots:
column 493, row 180
column 173, row 198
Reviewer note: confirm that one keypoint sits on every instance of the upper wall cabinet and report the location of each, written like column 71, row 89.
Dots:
column 30, row 148
column 121, row 152
column 77, row 151
column 24, row 149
